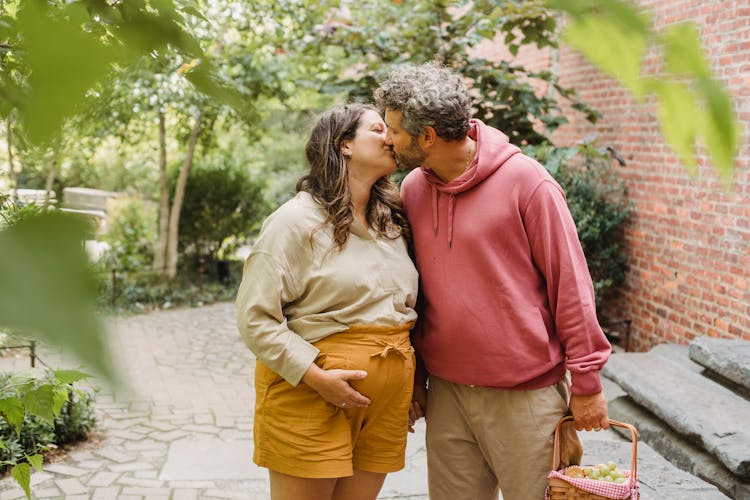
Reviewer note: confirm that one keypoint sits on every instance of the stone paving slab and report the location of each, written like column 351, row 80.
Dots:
column 209, row 459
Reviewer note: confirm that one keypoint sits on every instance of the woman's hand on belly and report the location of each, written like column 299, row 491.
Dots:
column 333, row 386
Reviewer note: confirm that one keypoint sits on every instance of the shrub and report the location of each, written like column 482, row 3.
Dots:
column 72, row 424
column 76, row 418
column 142, row 291
column 13, row 211
column 221, row 200
column 131, row 233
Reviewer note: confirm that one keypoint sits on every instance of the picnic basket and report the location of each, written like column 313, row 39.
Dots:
column 561, row 487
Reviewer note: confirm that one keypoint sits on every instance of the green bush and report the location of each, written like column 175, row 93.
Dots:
column 131, row 233
column 598, row 203
column 13, row 211
column 221, row 201
column 142, row 291
column 75, row 420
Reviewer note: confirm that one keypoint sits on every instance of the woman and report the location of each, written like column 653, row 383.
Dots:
column 326, row 303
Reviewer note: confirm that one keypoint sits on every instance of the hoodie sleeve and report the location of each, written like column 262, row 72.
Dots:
column 557, row 253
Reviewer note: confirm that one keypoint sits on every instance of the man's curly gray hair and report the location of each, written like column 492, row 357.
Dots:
column 427, row 95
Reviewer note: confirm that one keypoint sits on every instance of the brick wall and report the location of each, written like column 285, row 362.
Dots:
column 689, row 237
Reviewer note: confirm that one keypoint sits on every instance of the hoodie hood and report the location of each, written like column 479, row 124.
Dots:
column 493, row 150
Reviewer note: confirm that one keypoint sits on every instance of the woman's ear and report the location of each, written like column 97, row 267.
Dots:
column 346, row 149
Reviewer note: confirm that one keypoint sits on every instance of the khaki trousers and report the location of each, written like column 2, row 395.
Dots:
column 481, row 440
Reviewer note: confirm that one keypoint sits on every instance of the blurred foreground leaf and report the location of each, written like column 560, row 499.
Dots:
column 46, row 286
column 598, row 38
column 614, row 35
column 60, row 74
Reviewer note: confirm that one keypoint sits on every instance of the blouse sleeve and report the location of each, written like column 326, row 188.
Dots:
column 267, row 284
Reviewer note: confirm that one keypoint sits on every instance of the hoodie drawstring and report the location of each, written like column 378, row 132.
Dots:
column 451, row 205
column 451, row 197
column 434, row 209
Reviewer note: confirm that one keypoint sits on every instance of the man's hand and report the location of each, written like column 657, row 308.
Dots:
column 589, row 412
column 418, row 408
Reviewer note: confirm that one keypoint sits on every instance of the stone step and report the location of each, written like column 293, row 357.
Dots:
column 703, row 411
column 729, row 358
column 676, row 449
column 679, row 354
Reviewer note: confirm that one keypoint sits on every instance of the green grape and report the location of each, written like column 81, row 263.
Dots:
column 605, row 472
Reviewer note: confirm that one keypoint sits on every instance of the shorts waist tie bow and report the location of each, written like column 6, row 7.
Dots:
column 403, row 350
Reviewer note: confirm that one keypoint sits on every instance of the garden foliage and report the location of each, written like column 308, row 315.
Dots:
column 41, row 409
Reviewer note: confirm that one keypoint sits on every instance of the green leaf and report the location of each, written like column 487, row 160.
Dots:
column 70, row 376
column 192, row 11
column 59, row 398
column 22, row 474
column 680, row 119
column 721, row 130
column 622, row 12
column 11, row 94
column 47, row 289
column 204, row 79
column 40, row 402
column 626, row 15
column 616, row 51
column 36, row 460
column 13, row 411
column 572, row 7
column 683, row 52
column 61, row 72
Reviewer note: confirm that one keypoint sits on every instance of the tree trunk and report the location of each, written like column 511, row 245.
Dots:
column 179, row 196
column 51, row 173
column 160, row 253
column 11, row 166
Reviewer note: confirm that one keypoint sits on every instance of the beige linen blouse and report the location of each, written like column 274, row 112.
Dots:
column 297, row 288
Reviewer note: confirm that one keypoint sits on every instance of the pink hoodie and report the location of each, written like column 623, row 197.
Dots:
column 508, row 299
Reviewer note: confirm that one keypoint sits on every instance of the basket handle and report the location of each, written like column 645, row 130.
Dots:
column 633, row 432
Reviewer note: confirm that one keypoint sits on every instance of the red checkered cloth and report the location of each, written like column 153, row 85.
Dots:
column 601, row 488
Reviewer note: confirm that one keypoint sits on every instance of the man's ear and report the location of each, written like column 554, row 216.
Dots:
column 428, row 137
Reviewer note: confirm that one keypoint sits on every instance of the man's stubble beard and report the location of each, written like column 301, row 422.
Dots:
column 411, row 158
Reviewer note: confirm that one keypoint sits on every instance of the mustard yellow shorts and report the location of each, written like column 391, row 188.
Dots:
column 298, row 433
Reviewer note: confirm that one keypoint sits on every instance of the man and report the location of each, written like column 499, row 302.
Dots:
column 508, row 299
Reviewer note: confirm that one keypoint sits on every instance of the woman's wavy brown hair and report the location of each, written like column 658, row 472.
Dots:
column 328, row 182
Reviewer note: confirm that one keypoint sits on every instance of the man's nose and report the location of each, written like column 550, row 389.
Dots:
column 388, row 140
